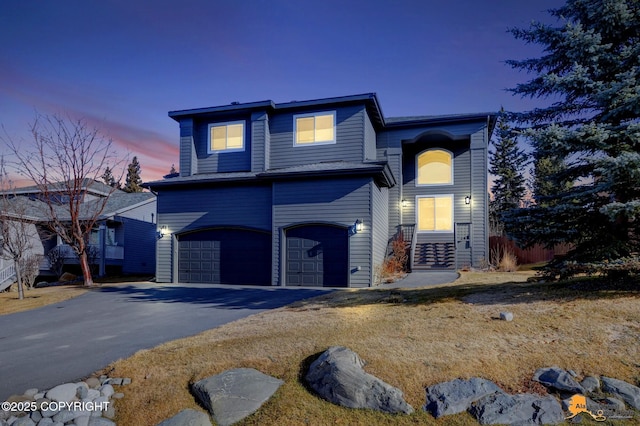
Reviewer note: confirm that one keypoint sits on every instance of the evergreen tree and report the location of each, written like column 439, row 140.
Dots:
column 133, row 181
column 108, row 179
column 506, row 162
column 587, row 141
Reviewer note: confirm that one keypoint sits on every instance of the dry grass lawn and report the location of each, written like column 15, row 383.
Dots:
column 410, row 338
column 37, row 297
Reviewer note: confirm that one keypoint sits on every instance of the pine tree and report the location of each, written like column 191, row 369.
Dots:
column 133, row 181
column 108, row 179
column 589, row 136
column 507, row 163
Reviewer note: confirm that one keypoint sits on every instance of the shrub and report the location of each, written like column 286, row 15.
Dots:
column 503, row 259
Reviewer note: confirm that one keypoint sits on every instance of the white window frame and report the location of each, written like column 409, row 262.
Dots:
column 313, row 114
column 210, row 149
column 418, row 168
column 453, row 213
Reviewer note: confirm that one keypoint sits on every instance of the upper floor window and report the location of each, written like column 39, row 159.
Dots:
column 434, row 167
column 226, row 136
column 315, row 128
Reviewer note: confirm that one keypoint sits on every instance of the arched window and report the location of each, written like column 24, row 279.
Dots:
column 434, row 167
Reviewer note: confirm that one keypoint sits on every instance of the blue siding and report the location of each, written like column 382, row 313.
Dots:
column 259, row 141
column 335, row 201
column 369, row 139
column 380, row 221
column 348, row 146
column 139, row 246
column 188, row 160
column 191, row 209
column 220, row 162
column 479, row 196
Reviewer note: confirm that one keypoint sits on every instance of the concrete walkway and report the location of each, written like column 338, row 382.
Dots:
column 420, row 279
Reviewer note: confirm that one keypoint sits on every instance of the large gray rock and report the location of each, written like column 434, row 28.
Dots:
column 63, row 393
column 457, row 395
column 187, row 417
column 338, row 377
column 558, row 379
column 521, row 409
column 235, row 394
column 100, row 421
column 625, row 391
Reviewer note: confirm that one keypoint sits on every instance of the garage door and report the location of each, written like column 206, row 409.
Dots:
column 225, row 256
column 317, row 255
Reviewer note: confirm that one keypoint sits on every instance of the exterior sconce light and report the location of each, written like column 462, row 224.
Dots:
column 162, row 231
column 404, row 203
column 358, row 226
column 467, row 199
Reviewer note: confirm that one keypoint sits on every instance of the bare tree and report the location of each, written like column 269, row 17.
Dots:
column 65, row 158
column 18, row 233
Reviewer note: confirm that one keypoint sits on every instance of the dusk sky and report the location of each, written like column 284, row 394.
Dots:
column 122, row 65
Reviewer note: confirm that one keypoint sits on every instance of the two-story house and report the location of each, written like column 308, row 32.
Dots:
column 123, row 240
column 309, row 193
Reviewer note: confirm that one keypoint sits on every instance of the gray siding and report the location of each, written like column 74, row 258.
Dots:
column 369, row 139
column 259, row 141
column 348, row 146
column 139, row 245
column 191, row 209
column 335, row 201
column 188, row 160
column 380, row 220
column 461, row 186
column 220, row 162
column 479, row 197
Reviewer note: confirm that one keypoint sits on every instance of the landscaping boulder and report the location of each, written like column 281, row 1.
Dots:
column 187, row 417
column 590, row 383
column 63, row 393
column 502, row 408
column 457, row 395
column 623, row 390
column 338, row 377
column 558, row 379
column 235, row 394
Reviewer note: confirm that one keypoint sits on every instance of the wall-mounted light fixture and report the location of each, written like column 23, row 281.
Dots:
column 357, row 226
column 404, row 203
column 467, row 199
column 162, row 231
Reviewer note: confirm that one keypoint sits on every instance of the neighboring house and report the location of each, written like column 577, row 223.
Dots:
column 123, row 240
column 310, row 193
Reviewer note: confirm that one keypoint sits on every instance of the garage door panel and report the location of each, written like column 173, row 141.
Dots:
column 225, row 256
column 317, row 255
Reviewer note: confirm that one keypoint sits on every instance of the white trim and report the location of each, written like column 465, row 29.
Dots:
column 210, row 149
column 418, row 167
column 417, row 213
column 314, row 114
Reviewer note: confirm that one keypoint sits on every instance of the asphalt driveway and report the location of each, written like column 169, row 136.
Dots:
column 70, row 340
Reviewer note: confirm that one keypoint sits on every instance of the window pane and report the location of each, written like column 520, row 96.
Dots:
column 218, row 138
column 434, row 167
column 304, row 130
column 234, row 136
column 324, row 128
column 426, row 214
column 444, row 213
column 435, row 214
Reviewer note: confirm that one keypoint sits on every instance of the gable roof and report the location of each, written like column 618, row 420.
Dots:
column 23, row 207
column 91, row 186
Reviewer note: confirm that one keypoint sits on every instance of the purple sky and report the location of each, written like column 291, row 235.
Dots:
column 122, row 65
